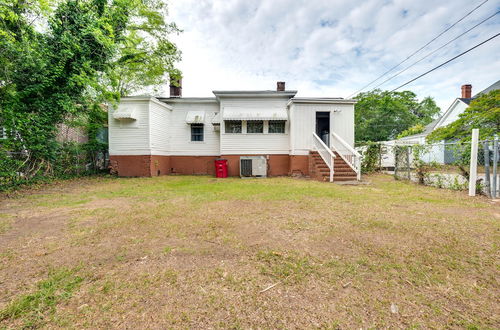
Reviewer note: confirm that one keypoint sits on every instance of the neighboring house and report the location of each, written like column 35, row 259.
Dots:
column 66, row 133
column 151, row 136
column 440, row 152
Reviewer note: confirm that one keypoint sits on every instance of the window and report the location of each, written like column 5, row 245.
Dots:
column 255, row 126
column 233, row 126
column 196, row 132
column 276, row 126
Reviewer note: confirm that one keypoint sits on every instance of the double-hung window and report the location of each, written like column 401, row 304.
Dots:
column 197, row 132
column 276, row 126
column 255, row 126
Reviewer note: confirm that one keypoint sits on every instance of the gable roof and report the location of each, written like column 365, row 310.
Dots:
column 493, row 87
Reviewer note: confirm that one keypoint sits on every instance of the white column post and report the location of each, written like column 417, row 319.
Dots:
column 473, row 162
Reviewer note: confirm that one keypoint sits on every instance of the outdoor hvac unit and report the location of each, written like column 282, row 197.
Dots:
column 253, row 166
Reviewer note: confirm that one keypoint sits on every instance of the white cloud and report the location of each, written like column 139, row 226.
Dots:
column 331, row 48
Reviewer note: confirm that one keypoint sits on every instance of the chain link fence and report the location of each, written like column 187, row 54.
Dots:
column 443, row 165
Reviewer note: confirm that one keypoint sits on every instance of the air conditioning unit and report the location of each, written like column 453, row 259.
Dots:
column 253, row 166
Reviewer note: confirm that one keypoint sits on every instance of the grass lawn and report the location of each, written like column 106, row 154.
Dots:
column 197, row 252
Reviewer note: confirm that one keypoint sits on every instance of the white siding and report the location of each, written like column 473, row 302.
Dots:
column 159, row 121
column 303, row 124
column 180, row 131
column 162, row 129
column 130, row 137
column 234, row 144
column 452, row 114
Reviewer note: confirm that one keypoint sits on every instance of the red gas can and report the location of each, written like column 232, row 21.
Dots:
column 221, row 168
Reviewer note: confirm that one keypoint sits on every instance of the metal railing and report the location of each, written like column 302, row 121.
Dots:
column 348, row 154
column 326, row 154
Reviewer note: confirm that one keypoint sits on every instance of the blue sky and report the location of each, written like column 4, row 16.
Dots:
column 332, row 48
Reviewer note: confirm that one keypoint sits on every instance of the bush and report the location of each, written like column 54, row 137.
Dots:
column 371, row 157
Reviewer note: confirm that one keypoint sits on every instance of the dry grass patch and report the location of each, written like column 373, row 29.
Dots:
column 198, row 252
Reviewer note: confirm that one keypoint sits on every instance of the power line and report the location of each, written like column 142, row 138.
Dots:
column 434, row 51
column 418, row 50
column 448, row 61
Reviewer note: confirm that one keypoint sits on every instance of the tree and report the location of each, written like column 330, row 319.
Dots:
column 417, row 129
column 482, row 113
column 146, row 56
column 57, row 70
column 382, row 115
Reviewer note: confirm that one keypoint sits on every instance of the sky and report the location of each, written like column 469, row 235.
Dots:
column 333, row 48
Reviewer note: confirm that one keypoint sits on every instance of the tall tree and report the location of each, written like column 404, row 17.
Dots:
column 482, row 113
column 146, row 56
column 57, row 69
column 382, row 115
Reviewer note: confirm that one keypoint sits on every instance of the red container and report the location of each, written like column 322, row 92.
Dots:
column 221, row 168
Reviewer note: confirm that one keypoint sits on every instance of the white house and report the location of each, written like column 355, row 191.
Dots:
column 441, row 152
column 314, row 137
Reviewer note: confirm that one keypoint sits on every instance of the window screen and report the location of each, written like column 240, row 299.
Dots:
column 255, row 126
column 276, row 126
column 233, row 126
column 196, row 132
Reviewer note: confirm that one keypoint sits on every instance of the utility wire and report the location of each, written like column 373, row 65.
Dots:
column 448, row 61
column 418, row 50
column 434, row 51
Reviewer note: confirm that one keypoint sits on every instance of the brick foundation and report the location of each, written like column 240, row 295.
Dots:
column 147, row 166
column 192, row 164
column 299, row 165
column 140, row 165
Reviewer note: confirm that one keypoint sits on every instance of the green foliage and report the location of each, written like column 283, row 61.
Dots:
column 34, row 307
column 422, row 168
column 61, row 71
column 145, row 57
column 482, row 113
column 417, row 129
column 371, row 157
column 382, row 115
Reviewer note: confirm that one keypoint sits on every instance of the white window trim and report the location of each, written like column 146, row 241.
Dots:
column 191, row 133
column 285, row 128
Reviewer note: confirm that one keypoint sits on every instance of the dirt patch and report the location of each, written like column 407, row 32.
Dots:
column 191, row 252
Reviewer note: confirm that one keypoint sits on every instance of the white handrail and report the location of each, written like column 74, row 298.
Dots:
column 326, row 154
column 348, row 154
column 345, row 144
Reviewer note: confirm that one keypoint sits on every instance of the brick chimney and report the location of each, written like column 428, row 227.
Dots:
column 466, row 91
column 280, row 86
column 176, row 87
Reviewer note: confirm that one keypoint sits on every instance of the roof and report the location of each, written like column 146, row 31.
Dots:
column 188, row 99
column 260, row 93
column 325, row 100
column 493, row 87
column 427, row 130
column 466, row 100
column 145, row 98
